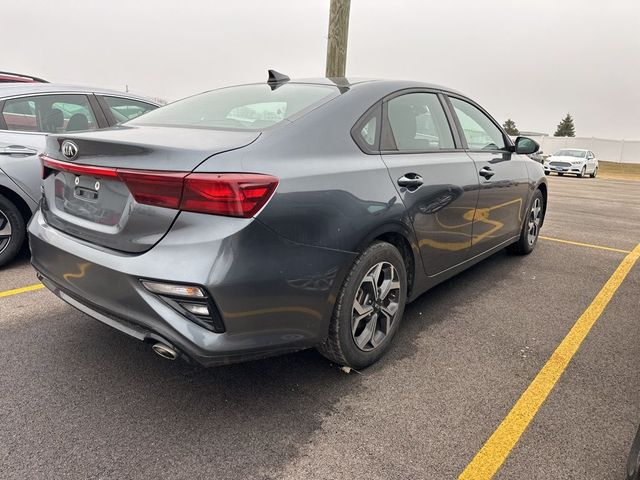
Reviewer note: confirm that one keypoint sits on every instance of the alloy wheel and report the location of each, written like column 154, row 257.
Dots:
column 5, row 231
column 535, row 218
column 375, row 306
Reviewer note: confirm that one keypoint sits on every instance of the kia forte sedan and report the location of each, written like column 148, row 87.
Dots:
column 266, row 218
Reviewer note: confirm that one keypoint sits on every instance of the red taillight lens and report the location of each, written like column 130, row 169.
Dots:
column 52, row 164
column 233, row 194
column 160, row 189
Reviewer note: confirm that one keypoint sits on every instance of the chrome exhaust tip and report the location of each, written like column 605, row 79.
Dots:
column 165, row 351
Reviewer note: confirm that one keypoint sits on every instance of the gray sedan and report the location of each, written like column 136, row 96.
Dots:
column 30, row 111
column 265, row 218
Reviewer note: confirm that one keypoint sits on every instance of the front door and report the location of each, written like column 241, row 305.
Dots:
column 436, row 180
column 503, row 177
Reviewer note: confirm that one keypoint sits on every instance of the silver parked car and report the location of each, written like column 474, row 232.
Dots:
column 265, row 218
column 574, row 161
column 31, row 111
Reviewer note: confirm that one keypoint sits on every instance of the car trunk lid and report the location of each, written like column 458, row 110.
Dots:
column 88, row 180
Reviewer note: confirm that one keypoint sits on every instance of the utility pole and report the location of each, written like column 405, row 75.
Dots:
column 337, row 39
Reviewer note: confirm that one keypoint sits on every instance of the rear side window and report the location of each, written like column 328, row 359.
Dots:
column 368, row 131
column 245, row 107
column 418, row 123
column 478, row 129
column 125, row 109
column 49, row 114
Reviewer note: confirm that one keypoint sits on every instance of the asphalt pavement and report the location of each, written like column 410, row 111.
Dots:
column 79, row 400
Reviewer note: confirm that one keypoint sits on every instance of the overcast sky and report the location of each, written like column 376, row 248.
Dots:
column 532, row 61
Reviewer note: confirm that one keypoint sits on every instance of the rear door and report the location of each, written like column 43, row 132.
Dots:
column 24, row 124
column 433, row 175
column 503, row 176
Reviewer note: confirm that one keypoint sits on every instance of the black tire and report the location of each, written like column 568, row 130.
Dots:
column 10, row 216
column 524, row 245
column 340, row 346
column 547, row 173
column 582, row 172
column 595, row 172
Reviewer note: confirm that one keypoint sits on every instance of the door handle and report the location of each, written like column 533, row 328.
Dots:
column 410, row 181
column 17, row 150
column 486, row 172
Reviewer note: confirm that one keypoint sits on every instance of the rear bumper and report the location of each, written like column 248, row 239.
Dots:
column 273, row 296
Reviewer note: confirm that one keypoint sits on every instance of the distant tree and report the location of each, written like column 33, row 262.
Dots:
column 566, row 128
column 510, row 127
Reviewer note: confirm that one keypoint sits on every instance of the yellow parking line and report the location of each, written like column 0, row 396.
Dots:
column 15, row 291
column 496, row 449
column 580, row 244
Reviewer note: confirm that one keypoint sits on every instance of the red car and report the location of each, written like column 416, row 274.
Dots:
column 8, row 77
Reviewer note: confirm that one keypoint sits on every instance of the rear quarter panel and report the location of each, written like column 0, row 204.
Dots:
column 330, row 193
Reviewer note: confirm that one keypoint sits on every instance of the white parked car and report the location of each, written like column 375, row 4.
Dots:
column 572, row 160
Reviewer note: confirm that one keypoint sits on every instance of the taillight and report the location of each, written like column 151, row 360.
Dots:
column 230, row 194
column 233, row 194
column 53, row 164
column 161, row 189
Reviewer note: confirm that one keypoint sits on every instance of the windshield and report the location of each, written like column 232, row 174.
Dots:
column 570, row 153
column 245, row 107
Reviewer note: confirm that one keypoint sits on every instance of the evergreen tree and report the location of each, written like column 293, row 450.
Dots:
column 510, row 127
column 566, row 128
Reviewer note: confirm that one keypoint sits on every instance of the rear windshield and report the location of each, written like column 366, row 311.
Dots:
column 245, row 107
column 571, row 153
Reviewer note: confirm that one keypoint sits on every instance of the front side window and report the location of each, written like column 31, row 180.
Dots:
column 20, row 114
column 125, row 109
column 49, row 114
column 245, row 107
column 478, row 129
column 418, row 123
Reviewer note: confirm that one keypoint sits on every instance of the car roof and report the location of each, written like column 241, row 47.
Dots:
column 22, row 88
column 357, row 82
column 571, row 148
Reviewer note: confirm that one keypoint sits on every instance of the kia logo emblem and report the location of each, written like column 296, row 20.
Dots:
column 69, row 150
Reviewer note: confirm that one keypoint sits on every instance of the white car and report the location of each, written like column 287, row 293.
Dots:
column 572, row 160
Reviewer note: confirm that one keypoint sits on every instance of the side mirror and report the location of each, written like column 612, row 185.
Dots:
column 526, row 146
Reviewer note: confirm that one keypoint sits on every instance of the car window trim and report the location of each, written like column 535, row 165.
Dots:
column 106, row 111
column 507, row 140
column 386, row 128
column 101, row 120
column 374, row 111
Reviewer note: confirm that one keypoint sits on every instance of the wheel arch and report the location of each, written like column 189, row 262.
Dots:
column 542, row 186
column 401, row 237
column 20, row 203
